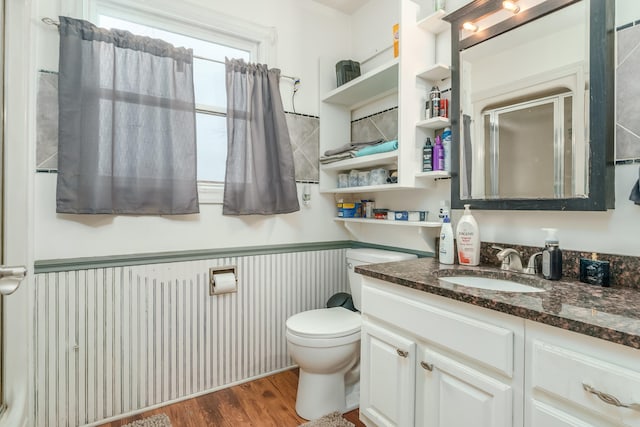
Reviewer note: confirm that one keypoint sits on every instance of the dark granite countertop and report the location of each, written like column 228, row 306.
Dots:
column 611, row 314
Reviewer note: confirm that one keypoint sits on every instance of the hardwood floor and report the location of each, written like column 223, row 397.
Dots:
column 269, row 401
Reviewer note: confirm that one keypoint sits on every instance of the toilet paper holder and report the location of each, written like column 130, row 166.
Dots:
column 219, row 270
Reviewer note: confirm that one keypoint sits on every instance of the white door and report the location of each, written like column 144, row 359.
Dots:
column 451, row 394
column 387, row 377
column 16, row 32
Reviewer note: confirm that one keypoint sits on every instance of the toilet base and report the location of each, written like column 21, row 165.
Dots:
column 319, row 395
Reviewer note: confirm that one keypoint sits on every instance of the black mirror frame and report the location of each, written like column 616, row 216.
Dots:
column 601, row 194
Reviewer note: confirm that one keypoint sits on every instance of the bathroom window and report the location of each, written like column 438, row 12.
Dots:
column 209, row 86
column 212, row 36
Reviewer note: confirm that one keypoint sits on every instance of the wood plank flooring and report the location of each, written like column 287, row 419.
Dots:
column 268, row 401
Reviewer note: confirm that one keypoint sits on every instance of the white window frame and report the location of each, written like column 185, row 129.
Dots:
column 198, row 22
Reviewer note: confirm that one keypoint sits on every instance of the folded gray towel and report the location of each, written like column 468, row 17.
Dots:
column 635, row 193
column 351, row 146
column 337, row 157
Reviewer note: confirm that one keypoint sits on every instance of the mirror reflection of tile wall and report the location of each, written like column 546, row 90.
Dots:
column 628, row 92
column 303, row 131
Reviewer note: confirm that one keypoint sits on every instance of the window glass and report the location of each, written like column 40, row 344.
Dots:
column 212, row 157
column 209, row 87
column 208, row 79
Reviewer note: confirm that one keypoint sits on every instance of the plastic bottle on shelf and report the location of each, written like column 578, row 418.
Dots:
column 438, row 155
column 445, row 251
column 446, row 145
column 427, row 155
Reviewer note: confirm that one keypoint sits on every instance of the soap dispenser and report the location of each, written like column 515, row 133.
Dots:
column 551, row 256
column 468, row 238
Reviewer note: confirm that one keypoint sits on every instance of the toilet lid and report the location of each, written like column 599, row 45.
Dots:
column 325, row 323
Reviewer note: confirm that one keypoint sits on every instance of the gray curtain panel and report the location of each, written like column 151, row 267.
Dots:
column 127, row 142
column 260, row 174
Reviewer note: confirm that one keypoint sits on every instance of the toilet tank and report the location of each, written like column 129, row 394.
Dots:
column 361, row 256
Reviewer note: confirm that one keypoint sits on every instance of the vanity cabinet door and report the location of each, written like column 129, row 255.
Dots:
column 452, row 394
column 388, row 377
column 543, row 415
column 573, row 380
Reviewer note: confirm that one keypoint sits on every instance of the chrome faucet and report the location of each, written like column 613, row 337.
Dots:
column 510, row 259
column 531, row 265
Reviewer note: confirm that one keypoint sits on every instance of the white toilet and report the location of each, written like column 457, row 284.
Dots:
column 325, row 344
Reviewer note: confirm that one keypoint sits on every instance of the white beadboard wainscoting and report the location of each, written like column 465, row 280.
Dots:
column 110, row 341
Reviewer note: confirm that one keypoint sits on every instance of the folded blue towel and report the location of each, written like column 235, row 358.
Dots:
column 380, row 148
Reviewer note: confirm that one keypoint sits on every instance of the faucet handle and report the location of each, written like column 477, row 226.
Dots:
column 497, row 248
column 531, row 265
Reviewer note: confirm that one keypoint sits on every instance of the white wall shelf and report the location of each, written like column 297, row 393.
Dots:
column 433, row 174
column 434, row 23
column 434, row 123
column 380, row 159
column 422, row 224
column 367, row 189
column 379, row 81
column 435, row 73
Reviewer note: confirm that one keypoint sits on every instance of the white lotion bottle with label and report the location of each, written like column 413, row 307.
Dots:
column 468, row 239
column 445, row 252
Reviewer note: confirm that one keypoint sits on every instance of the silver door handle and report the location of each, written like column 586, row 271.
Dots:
column 10, row 278
column 609, row 399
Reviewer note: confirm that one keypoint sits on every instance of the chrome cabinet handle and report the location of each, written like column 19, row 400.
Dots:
column 402, row 353
column 610, row 399
column 427, row 366
column 10, row 278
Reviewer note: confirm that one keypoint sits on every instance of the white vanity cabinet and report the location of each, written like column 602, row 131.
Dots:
column 574, row 380
column 417, row 371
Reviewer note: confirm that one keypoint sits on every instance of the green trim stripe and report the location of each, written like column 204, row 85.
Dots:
column 89, row 263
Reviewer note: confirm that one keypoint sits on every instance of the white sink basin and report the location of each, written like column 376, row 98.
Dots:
column 490, row 284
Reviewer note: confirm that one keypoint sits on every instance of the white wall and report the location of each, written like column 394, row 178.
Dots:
column 305, row 31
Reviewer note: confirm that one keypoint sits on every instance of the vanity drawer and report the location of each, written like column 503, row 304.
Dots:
column 483, row 342
column 591, row 383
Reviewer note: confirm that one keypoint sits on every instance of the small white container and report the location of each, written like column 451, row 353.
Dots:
column 445, row 252
column 391, row 216
column 378, row 176
column 353, row 178
column 343, row 180
column 363, row 179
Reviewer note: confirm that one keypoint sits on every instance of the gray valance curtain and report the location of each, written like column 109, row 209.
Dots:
column 127, row 142
column 260, row 175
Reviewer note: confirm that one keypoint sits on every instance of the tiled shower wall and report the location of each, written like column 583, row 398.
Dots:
column 380, row 125
column 109, row 341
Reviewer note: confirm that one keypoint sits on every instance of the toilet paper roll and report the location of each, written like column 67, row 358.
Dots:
column 224, row 283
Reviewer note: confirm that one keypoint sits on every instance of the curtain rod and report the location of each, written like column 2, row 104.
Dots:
column 296, row 80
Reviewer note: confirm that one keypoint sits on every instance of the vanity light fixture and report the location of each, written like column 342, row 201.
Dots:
column 511, row 6
column 470, row 26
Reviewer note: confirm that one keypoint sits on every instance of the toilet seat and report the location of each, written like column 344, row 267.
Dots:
column 324, row 327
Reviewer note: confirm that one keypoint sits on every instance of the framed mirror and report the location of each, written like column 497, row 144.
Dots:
column 533, row 104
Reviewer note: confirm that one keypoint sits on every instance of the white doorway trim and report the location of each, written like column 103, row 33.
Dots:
column 18, row 215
